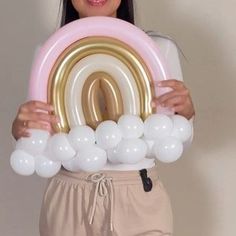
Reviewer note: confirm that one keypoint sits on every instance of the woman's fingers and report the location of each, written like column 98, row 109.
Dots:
column 178, row 109
column 171, row 83
column 33, row 115
column 37, row 125
column 178, row 99
column 19, row 130
column 39, row 116
column 163, row 100
column 23, row 132
column 173, row 101
column 34, row 106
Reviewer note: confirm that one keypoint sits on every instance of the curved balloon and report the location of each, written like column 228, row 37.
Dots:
column 92, row 107
column 92, row 46
column 97, row 63
column 91, row 36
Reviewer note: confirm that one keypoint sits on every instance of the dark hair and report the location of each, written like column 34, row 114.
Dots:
column 124, row 12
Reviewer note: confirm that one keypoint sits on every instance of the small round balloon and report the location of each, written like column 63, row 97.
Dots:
column 182, row 128
column 45, row 167
column 81, row 137
column 112, row 155
column 72, row 165
column 157, row 126
column 150, row 143
column 168, row 149
column 131, row 151
column 107, row 134
column 131, row 126
column 36, row 143
column 91, row 159
column 22, row 163
column 59, row 148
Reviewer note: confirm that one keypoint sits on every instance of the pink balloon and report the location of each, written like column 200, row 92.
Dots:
column 94, row 26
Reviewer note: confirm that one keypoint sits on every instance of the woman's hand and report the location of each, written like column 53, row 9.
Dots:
column 33, row 115
column 178, row 100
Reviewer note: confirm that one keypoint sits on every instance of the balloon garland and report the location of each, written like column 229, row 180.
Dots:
column 87, row 59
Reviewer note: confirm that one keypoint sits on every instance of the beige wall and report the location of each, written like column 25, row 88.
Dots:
column 201, row 184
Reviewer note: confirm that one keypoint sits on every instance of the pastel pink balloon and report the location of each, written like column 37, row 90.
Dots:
column 94, row 26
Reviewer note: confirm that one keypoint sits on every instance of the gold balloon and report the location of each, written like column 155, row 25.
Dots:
column 104, row 83
column 97, row 45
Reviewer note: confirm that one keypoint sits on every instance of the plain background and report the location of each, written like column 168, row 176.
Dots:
column 202, row 183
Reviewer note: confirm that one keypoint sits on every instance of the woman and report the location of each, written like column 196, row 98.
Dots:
column 123, row 200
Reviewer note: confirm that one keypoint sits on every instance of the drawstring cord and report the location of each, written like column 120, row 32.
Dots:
column 102, row 182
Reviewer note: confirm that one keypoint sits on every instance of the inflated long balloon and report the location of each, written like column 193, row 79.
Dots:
column 94, row 56
column 101, row 69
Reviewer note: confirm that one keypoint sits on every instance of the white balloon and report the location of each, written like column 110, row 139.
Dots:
column 169, row 149
column 182, row 128
column 92, row 159
column 107, row 134
column 45, row 167
column 35, row 144
column 59, row 148
column 22, row 163
column 72, row 165
column 157, row 126
column 81, row 136
column 131, row 151
column 131, row 126
column 150, row 153
column 87, row 66
column 112, row 155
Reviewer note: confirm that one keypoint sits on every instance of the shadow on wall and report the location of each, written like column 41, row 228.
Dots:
column 207, row 72
column 21, row 31
column 209, row 77
column 49, row 13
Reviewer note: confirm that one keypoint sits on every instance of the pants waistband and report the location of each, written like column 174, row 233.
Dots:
column 118, row 177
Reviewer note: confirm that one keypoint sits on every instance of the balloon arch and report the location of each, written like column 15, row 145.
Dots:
column 82, row 61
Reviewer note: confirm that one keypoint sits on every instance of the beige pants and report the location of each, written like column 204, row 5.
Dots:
column 109, row 203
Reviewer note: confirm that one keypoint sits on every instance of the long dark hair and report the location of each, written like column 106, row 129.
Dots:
column 124, row 12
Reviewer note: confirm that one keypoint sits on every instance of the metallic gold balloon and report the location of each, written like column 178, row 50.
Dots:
column 94, row 45
column 101, row 82
column 89, row 65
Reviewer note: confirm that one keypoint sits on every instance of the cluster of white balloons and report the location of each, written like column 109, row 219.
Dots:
column 127, row 141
